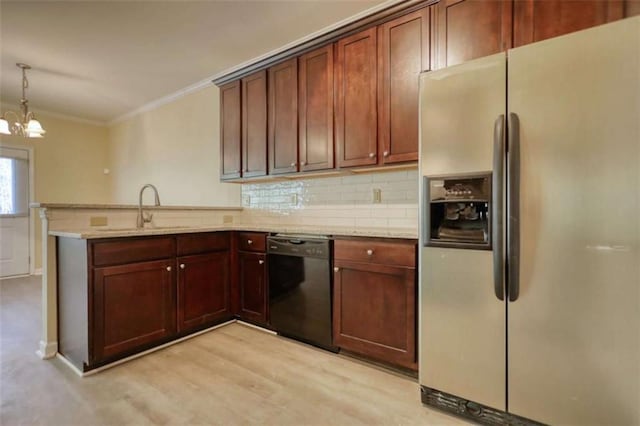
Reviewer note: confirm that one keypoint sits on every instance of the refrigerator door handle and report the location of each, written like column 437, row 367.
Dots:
column 497, row 186
column 513, row 224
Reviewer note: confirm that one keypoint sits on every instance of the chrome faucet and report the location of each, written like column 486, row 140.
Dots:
column 144, row 217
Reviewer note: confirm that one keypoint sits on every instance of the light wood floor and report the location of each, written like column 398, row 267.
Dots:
column 232, row 375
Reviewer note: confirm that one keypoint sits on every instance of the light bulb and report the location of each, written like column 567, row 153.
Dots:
column 34, row 129
column 4, row 127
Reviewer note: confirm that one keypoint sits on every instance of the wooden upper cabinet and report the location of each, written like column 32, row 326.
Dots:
column 230, row 130
column 539, row 20
column 254, row 125
column 315, row 109
column 283, row 117
column 356, row 99
column 404, row 50
column 469, row 29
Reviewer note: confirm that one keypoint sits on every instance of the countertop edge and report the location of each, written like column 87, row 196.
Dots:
column 71, row 206
column 89, row 234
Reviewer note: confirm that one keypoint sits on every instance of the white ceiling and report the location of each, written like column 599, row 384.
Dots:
column 100, row 60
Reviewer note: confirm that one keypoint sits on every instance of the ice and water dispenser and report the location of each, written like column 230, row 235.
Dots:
column 458, row 211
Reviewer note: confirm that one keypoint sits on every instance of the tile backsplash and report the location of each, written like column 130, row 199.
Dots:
column 336, row 201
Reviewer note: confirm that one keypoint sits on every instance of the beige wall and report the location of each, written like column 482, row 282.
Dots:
column 68, row 165
column 176, row 148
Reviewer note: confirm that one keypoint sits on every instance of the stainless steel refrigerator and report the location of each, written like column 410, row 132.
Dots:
column 530, row 232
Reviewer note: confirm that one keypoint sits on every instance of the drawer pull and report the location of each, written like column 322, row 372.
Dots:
column 369, row 252
column 385, row 154
column 371, row 155
column 261, row 262
column 169, row 268
column 336, row 269
column 293, row 164
column 182, row 266
column 249, row 242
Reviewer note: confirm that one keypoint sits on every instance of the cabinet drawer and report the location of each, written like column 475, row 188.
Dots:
column 129, row 250
column 252, row 241
column 202, row 243
column 375, row 251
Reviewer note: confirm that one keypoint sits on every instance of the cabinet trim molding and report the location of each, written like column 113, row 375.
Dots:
column 376, row 18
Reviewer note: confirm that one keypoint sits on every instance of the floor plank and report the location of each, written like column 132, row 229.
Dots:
column 235, row 375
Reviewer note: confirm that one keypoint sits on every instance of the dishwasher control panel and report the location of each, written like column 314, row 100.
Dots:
column 295, row 246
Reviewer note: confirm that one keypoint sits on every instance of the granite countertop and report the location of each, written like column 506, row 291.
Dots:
column 124, row 207
column 107, row 232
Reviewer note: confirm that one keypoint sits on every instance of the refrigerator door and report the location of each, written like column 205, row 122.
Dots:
column 462, row 322
column 574, row 331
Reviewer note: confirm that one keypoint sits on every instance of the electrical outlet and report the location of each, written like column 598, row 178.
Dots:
column 246, row 200
column 227, row 219
column 98, row 221
column 294, row 199
column 377, row 195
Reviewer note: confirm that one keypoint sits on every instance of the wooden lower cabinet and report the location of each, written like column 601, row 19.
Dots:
column 374, row 310
column 119, row 296
column 133, row 307
column 253, row 292
column 203, row 290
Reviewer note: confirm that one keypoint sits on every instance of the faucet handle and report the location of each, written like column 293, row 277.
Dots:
column 147, row 217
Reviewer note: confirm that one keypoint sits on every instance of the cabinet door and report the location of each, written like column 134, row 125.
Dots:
column 254, row 125
column 253, row 286
column 404, row 50
column 283, row 117
column 540, row 20
column 316, row 109
column 133, row 307
column 230, row 131
column 356, row 111
column 469, row 29
column 374, row 311
column 203, row 290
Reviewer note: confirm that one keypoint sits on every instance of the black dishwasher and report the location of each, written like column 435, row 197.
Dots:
column 300, row 288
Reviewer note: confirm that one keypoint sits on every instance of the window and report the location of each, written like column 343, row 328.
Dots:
column 14, row 182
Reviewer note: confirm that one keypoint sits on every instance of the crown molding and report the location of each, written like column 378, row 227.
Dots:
column 313, row 38
column 163, row 101
column 53, row 114
column 223, row 75
column 216, row 77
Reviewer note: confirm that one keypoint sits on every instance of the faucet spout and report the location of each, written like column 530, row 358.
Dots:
column 142, row 218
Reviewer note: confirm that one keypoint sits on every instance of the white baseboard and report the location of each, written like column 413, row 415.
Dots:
column 138, row 355
column 47, row 350
column 69, row 364
column 37, row 271
column 257, row 327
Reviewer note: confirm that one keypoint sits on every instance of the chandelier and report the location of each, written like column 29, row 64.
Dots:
column 24, row 125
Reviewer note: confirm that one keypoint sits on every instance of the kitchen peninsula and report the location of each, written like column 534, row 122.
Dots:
column 113, row 291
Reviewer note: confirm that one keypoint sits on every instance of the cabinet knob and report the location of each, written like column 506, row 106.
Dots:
column 169, row 268
column 293, row 164
column 336, row 269
column 386, row 153
column 249, row 242
column 371, row 155
column 182, row 266
column 302, row 163
column 369, row 252
column 261, row 262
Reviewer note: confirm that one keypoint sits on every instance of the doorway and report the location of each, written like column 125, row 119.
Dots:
column 14, row 212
